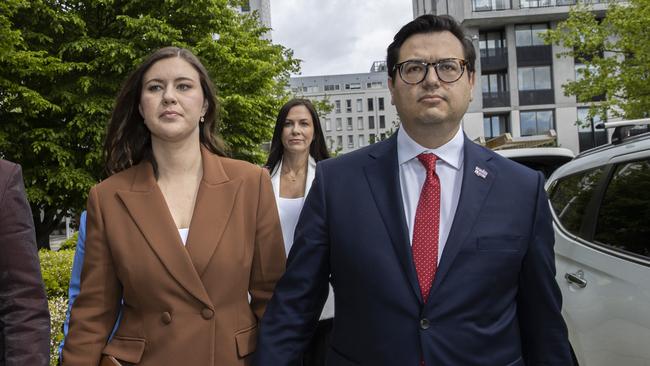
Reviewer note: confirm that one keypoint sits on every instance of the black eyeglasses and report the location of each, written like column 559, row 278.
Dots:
column 448, row 70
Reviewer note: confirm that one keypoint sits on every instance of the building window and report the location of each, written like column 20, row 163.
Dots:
column 380, row 104
column 348, row 105
column 339, row 124
column 495, row 125
column 371, row 106
column 371, row 122
column 492, row 44
column 332, row 87
column 382, row 121
column 337, row 106
column 330, row 143
column 360, row 123
column 361, row 141
column 349, row 124
column 488, row 5
column 359, row 105
column 375, row 85
column 350, row 141
column 494, row 83
column 339, row 142
column 536, row 122
column 527, row 35
column 534, row 78
column 246, row 6
column 372, row 138
column 353, row 86
column 328, row 124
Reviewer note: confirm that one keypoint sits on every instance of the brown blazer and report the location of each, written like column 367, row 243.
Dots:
column 181, row 305
column 24, row 318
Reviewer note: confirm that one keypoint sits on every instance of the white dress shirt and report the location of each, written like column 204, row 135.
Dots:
column 412, row 174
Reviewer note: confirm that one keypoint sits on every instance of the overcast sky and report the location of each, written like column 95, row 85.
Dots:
column 338, row 36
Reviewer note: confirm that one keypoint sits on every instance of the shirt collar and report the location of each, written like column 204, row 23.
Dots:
column 451, row 152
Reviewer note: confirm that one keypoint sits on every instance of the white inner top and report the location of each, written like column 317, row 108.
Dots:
column 289, row 209
column 183, row 233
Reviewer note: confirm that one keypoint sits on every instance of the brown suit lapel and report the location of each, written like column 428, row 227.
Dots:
column 214, row 204
column 147, row 207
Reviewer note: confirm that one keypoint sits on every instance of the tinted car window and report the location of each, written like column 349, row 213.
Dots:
column 570, row 196
column 623, row 215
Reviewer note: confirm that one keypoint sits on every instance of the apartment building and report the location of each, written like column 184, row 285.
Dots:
column 362, row 112
column 519, row 78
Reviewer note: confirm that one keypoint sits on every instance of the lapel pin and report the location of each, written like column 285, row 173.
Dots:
column 480, row 172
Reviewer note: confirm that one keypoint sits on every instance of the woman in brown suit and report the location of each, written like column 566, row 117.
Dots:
column 178, row 236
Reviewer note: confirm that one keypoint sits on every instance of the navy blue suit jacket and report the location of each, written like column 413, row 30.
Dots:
column 494, row 300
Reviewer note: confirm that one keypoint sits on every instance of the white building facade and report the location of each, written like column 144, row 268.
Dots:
column 362, row 112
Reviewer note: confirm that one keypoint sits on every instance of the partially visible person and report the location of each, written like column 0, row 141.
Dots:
column 75, row 276
column 297, row 144
column 439, row 250
column 179, row 232
column 24, row 317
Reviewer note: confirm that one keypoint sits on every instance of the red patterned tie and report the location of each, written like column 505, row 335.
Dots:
column 426, row 227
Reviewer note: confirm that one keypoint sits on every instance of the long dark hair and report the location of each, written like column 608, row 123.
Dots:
column 128, row 140
column 317, row 148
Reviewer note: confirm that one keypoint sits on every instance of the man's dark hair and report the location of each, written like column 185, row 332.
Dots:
column 427, row 24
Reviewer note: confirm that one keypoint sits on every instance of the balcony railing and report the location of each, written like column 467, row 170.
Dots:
column 496, row 99
column 531, row 97
column 495, row 5
column 494, row 59
column 490, row 5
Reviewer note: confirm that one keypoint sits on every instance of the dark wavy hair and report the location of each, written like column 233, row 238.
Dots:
column 128, row 140
column 317, row 148
column 427, row 24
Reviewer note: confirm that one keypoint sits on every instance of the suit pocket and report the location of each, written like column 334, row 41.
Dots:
column 500, row 244
column 246, row 341
column 125, row 349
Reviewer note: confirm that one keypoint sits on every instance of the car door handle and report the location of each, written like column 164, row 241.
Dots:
column 577, row 278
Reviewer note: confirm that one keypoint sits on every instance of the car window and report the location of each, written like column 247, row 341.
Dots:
column 623, row 216
column 571, row 195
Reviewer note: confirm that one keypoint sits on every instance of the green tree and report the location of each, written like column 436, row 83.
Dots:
column 616, row 53
column 62, row 63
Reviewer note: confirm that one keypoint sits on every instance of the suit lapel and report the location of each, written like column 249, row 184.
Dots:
column 383, row 177
column 214, row 204
column 478, row 177
column 148, row 209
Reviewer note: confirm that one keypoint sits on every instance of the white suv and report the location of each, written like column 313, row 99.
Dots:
column 601, row 213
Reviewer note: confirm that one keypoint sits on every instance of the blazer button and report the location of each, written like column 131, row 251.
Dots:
column 166, row 317
column 424, row 324
column 207, row 314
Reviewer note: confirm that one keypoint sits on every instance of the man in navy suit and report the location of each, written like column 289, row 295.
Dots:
column 439, row 251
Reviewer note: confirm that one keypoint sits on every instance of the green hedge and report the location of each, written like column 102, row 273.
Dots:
column 56, row 268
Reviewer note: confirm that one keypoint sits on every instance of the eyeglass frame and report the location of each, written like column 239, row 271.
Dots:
column 463, row 65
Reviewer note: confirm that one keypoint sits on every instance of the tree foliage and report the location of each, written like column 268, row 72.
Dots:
column 62, row 63
column 616, row 53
